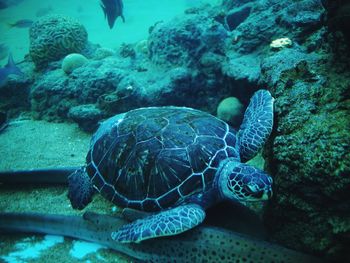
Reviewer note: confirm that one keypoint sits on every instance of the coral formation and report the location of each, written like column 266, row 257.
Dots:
column 281, row 43
column 208, row 54
column 54, row 36
column 235, row 17
column 72, row 62
column 103, row 52
column 230, row 110
column 127, row 50
column 310, row 158
column 142, row 46
column 183, row 41
column 87, row 116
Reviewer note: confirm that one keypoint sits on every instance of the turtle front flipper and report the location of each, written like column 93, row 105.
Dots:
column 166, row 223
column 80, row 190
column 257, row 124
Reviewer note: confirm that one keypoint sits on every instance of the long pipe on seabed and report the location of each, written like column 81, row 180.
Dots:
column 202, row 244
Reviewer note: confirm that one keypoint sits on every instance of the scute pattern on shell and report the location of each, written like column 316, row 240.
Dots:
column 153, row 158
column 55, row 36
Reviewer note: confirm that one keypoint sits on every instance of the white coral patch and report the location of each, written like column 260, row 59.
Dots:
column 281, row 43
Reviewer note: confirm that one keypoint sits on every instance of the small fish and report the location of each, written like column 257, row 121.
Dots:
column 23, row 23
column 8, row 69
column 112, row 9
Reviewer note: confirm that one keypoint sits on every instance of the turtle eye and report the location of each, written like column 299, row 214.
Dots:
column 270, row 180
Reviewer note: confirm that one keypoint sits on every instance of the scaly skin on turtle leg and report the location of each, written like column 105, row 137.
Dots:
column 80, row 190
column 257, row 124
column 167, row 223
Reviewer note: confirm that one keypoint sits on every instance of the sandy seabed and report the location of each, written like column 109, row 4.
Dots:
column 28, row 144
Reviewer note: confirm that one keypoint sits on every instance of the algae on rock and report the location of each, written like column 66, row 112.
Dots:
column 310, row 159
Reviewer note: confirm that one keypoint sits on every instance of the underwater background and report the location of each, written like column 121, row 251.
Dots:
column 140, row 16
column 70, row 71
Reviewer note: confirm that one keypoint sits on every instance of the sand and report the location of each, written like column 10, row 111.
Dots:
column 29, row 144
column 39, row 144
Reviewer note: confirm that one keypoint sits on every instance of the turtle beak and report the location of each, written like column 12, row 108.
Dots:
column 264, row 194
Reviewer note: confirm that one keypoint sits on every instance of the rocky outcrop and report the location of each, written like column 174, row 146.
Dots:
column 184, row 40
column 309, row 158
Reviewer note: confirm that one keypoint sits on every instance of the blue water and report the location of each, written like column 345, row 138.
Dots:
column 139, row 16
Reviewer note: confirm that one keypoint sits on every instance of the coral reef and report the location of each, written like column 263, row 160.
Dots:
column 72, row 62
column 309, row 157
column 271, row 19
column 235, row 17
column 102, row 53
column 182, row 41
column 87, row 116
column 120, row 82
column 54, row 36
column 211, row 53
column 15, row 94
column 230, row 110
column 281, row 43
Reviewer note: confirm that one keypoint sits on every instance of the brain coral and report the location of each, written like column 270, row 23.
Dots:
column 55, row 36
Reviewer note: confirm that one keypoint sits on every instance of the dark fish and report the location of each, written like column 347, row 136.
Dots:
column 23, row 23
column 112, row 9
column 7, row 3
column 202, row 244
column 8, row 69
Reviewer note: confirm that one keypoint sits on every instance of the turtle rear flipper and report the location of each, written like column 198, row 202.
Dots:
column 257, row 124
column 167, row 223
column 80, row 190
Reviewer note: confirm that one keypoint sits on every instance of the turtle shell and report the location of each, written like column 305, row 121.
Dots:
column 153, row 158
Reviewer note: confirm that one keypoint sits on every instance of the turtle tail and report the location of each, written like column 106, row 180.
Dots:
column 80, row 190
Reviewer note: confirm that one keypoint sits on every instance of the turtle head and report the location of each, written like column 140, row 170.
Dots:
column 241, row 182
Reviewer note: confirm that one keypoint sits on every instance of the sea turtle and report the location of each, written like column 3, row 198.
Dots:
column 175, row 161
